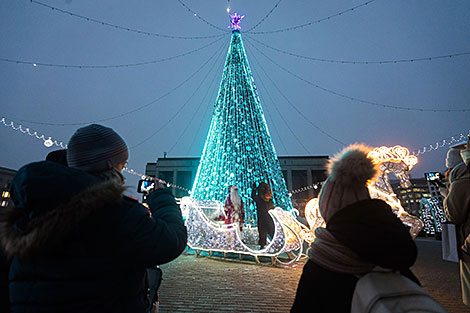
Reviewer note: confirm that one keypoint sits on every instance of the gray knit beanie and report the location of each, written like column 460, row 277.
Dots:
column 96, row 148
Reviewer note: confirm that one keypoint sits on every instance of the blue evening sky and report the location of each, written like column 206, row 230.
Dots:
column 380, row 30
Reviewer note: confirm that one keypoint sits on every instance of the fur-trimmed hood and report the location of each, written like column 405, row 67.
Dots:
column 50, row 200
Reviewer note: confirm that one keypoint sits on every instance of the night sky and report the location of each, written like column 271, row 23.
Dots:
column 166, row 105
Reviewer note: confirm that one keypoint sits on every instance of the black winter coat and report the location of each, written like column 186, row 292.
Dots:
column 376, row 235
column 79, row 245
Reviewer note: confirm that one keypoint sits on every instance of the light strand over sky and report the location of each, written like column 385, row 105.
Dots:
column 163, row 126
column 264, row 104
column 27, row 131
column 265, row 17
column 87, row 66
column 388, row 106
column 89, row 19
column 312, row 22
column 201, row 18
column 431, row 58
column 296, row 109
column 131, row 111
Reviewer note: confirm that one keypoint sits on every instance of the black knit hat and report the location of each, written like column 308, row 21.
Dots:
column 96, row 148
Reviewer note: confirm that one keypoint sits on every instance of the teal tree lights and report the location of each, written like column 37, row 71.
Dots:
column 238, row 149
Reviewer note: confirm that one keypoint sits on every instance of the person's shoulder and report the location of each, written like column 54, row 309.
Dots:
column 460, row 171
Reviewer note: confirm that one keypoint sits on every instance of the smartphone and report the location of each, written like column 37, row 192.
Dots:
column 433, row 176
column 145, row 186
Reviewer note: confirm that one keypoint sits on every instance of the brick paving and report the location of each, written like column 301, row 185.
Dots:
column 203, row 284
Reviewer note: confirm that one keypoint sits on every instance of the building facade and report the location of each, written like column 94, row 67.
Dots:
column 411, row 197
column 298, row 171
column 6, row 176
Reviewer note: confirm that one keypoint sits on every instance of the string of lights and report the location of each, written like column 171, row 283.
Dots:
column 294, row 107
column 198, row 129
column 133, row 30
column 431, row 58
column 441, row 143
column 85, row 66
column 377, row 104
column 312, row 22
column 201, row 18
column 133, row 110
column 306, row 188
column 273, row 126
column 279, row 113
column 48, row 142
column 147, row 177
column 265, row 17
column 198, row 107
column 182, row 107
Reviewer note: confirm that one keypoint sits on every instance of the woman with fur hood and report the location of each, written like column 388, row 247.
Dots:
column 360, row 233
column 77, row 244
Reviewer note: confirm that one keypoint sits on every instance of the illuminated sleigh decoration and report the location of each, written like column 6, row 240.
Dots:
column 396, row 160
column 205, row 234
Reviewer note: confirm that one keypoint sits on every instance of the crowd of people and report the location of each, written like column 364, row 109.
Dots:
column 73, row 242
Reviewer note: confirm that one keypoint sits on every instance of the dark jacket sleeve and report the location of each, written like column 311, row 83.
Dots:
column 457, row 202
column 160, row 238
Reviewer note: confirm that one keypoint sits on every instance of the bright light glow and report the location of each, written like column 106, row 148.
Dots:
column 393, row 154
column 48, row 142
column 432, row 214
column 239, row 149
column 394, row 160
column 236, row 21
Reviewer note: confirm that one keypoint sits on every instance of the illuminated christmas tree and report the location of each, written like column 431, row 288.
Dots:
column 238, row 149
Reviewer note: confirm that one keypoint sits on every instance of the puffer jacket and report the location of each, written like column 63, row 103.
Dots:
column 457, row 207
column 79, row 245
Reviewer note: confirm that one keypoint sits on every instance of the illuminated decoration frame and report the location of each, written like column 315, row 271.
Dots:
column 208, row 235
column 396, row 160
column 239, row 149
column 432, row 214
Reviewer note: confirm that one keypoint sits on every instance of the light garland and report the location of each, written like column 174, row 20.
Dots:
column 315, row 21
column 89, row 19
column 362, row 62
column 211, row 58
column 239, row 149
column 341, row 95
column 201, row 18
column 147, row 177
column 432, row 214
column 306, row 188
column 48, row 142
column 441, row 143
column 82, row 66
column 265, row 17
column 294, row 107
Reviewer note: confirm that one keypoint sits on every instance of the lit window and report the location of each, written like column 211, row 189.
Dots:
column 4, row 203
column 5, row 194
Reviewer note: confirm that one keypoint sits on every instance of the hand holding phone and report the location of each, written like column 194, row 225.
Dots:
column 149, row 185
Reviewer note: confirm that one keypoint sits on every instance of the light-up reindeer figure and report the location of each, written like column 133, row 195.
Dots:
column 398, row 161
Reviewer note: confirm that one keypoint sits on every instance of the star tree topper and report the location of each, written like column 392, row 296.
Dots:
column 236, row 21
